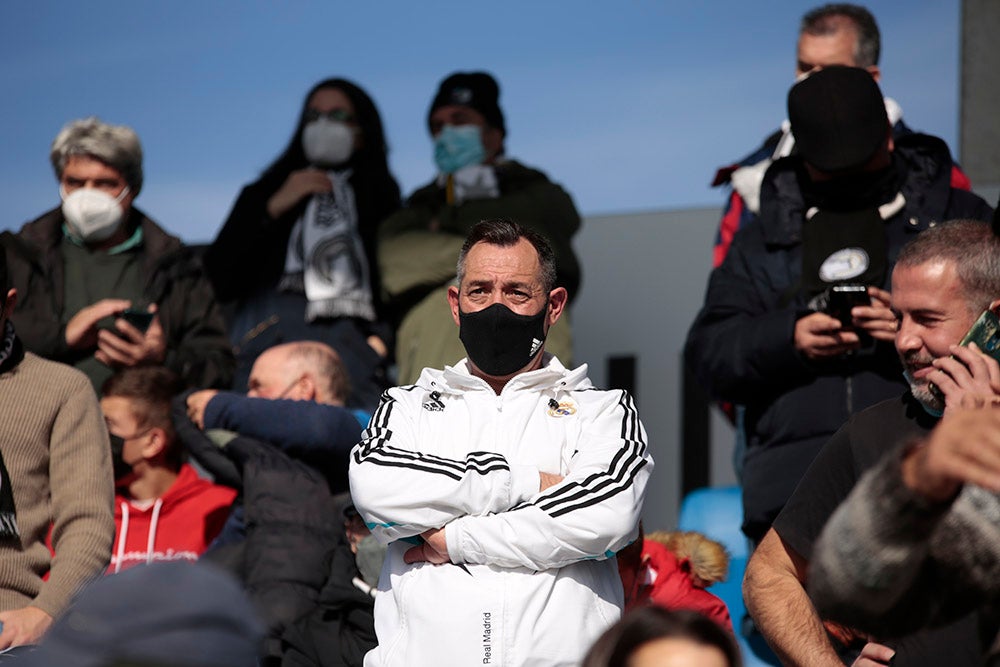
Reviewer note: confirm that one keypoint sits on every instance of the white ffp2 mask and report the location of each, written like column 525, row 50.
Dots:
column 92, row 215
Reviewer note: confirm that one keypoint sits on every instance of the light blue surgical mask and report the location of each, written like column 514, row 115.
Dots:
column 458, row 146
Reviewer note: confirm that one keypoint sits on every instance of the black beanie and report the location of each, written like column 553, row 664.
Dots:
column 476, row 90
column 838, row 117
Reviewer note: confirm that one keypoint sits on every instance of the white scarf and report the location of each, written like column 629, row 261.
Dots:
column 326, row 258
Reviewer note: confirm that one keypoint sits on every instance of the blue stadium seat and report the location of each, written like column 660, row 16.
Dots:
column 717, row 513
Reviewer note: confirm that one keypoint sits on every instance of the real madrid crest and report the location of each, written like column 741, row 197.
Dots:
column 561, row 408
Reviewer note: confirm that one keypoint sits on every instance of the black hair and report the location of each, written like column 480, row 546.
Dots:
column 505, row 233
column 822, row 21
column 375, row 190
column 617, row 645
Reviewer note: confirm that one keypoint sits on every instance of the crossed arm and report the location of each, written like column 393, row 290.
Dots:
column 484, row 509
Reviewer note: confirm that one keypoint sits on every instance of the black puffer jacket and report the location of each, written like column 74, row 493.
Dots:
column 741, row 343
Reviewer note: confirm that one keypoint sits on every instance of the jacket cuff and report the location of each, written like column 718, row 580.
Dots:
column 524, row 484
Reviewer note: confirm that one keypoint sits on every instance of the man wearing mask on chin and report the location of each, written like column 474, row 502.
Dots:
column 503, row 485
column 102, row 286
column 476, row 181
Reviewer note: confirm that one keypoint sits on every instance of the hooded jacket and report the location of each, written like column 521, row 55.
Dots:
column 179, row 525
column 526, row 566
column 741, row 344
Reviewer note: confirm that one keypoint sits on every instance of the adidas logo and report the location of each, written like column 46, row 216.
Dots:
column 434, row 404
column 535, row 346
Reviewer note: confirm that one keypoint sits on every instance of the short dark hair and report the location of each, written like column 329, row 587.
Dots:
column 823, row 21
column 151, row 390
column 505, row 233
column 646, row 624
column 972, row 247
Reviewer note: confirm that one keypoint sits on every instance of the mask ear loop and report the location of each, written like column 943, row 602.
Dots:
column 124, row 193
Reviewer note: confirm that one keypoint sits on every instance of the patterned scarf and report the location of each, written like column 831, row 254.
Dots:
column 326, row 258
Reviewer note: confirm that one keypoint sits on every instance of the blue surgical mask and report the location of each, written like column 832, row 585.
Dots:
column 458, row 146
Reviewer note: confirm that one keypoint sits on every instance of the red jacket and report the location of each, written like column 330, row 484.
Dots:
column 179, row 525
column 665, row 581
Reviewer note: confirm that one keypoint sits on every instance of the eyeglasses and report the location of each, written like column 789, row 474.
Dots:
column 343, row 115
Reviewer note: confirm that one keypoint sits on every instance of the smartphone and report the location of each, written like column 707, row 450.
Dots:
column 140, row 319
column 985, row 333
column 842, row 298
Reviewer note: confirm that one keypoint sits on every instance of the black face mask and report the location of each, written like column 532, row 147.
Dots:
column 499, row 341
column 852, row 192
column 121, row 468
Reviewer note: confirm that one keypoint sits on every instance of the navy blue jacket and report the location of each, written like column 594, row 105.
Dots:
column 741, row 343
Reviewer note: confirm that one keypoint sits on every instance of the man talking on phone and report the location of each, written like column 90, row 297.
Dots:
column 777, row 332
column 942, row 284
column 102, row 286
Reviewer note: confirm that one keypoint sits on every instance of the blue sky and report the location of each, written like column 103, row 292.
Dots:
column 630, row 104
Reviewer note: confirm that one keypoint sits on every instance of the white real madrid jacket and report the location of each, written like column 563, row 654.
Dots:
column 533, row 579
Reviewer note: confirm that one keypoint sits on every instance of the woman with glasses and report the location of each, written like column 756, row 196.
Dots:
column 296, row 257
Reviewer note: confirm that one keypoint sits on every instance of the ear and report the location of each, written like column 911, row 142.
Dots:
column 156, row 445
column 9, row 302
column 557, row 304
column 453, row 302
column 306, row 388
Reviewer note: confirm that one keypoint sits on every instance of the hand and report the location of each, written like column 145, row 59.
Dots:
column 299, row 185
column 877, row 319
column 874, row 655
column 196, row 404
column 819, row 336
column 81, row 330
column 547, row 479
column 434, row 549
column 964, row 447
column 971, row 373
column 377, row 344
column 131, row 347
column 23, row 626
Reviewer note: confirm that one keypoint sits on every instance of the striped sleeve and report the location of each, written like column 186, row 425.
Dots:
column 402, row 491
column 591, row 514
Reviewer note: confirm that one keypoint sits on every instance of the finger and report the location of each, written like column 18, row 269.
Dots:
column 110, row 306
column 877, row 294
column 414, row 555
column 819, row 323
column 956, row 371
column 876, row 651
column 128, row 331
column 116, row 349
column 988, row 364
column 860, row 314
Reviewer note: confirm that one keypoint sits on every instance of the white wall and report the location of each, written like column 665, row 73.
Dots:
column 644, row 278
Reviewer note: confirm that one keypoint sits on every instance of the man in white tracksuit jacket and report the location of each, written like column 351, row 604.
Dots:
column 503, row 485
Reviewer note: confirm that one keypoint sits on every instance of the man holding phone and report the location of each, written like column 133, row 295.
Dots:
column 942, row 283
column 102, row 286
column 834, row 214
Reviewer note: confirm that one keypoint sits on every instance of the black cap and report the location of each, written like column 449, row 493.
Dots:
column 476, row 90
column 838, row 117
